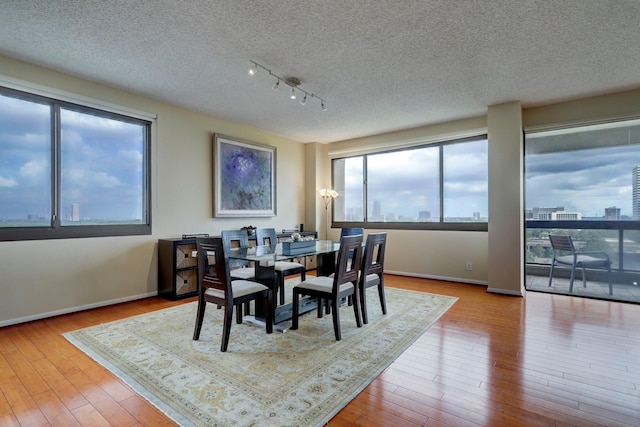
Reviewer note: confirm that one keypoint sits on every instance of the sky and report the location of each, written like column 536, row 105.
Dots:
column 586, row 181
column 407, row 182
column 101, row 159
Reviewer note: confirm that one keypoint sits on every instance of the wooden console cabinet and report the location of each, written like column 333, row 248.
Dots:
column 177, row 268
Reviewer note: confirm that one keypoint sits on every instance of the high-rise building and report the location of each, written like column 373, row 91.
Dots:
column 75, row 212
column 635, row 175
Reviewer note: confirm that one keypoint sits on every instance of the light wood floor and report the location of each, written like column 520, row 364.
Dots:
column 491, row 360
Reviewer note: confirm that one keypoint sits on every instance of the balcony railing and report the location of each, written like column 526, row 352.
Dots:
column 619, row 239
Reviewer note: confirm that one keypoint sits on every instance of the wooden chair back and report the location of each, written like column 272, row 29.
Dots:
column 348, row 270
column 266, row 236
column 373, row 259
column 213, row 270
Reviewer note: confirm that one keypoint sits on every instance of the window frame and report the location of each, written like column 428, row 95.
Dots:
column 55, row 230
column 440, row 225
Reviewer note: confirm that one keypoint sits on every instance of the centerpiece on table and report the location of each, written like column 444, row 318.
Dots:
column 298, row 244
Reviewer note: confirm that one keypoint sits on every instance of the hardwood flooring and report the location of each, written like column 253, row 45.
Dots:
column 491, row 360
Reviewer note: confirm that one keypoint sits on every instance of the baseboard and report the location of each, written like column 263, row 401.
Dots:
column 74, row 309
column 505, row 292
column 430, row 276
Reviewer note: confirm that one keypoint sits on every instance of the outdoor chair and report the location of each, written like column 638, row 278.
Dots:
column 577, row 259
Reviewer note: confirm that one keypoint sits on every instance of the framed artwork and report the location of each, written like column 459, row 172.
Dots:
column 244, row 178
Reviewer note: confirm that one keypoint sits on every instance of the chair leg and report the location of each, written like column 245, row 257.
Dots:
column 239, row 314
column 363, row 304
column 356, row 305
column 280, row 286
column 383, row 300
column 296, row 309
column 336, row 318
column 553, row 263
column 202, row 305
column 226, row 328
column 321, row 303
column 610, row 282
column 269, row 317
column 573, row 273
column 584, row 278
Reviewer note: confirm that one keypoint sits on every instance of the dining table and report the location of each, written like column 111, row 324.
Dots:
column 264, row 257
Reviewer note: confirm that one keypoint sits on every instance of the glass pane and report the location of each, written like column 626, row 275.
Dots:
column 102, row 170
column 25, row 163
column 348, row 181
column 585, row 173
column 466, row 181
column 404, row 186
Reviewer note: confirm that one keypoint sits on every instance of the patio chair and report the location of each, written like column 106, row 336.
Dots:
column 577, row 259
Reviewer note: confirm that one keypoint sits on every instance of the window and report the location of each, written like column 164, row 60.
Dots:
column 443, row 185
column 585, row 182
column 583, row 173
column 68, row 170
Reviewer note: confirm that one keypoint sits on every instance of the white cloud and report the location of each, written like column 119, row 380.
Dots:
column 7, row 182
column 33, row 169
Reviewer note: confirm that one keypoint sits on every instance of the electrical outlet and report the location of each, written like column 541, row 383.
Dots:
column 469, row 265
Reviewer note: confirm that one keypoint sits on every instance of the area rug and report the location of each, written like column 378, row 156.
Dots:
column 297, row 378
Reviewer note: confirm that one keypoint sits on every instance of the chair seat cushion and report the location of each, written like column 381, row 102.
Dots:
column 242, row 273
column 322, row 284
column 240, row 289
column 287, row 265
column 372, row 280
column 584, row 260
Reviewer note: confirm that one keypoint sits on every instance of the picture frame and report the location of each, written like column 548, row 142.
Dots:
column 244, row 178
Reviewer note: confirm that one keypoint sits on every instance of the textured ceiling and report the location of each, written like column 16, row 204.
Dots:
column 381, row 65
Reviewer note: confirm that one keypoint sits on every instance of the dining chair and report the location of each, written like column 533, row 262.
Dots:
column 216, row 286
column 575, row 258
column 372, row 273
column 268, row 236
column 237, row 239
column 343, row 284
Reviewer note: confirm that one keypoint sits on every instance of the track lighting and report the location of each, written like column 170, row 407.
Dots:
column 293, row 82
column 253, row 70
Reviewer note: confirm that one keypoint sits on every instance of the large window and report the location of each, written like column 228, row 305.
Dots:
column 68, row 170
column 584, row 181
column 442, row 185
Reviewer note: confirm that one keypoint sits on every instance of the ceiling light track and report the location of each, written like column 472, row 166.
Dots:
column 292, row 82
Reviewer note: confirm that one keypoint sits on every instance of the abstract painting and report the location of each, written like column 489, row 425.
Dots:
column 244, row 178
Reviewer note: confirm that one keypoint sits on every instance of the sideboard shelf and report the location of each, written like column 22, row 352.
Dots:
column 177, row 268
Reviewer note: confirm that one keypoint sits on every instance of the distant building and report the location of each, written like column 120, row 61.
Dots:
column 424, row 216
column 612, row 213
column 552, row 214
column 75, row 212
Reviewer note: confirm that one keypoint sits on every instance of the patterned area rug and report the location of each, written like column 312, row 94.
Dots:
column 297, row 378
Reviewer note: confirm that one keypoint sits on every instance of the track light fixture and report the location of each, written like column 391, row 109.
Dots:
column 293, row 82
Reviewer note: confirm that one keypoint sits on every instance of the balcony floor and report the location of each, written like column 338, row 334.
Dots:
column 621, row 291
